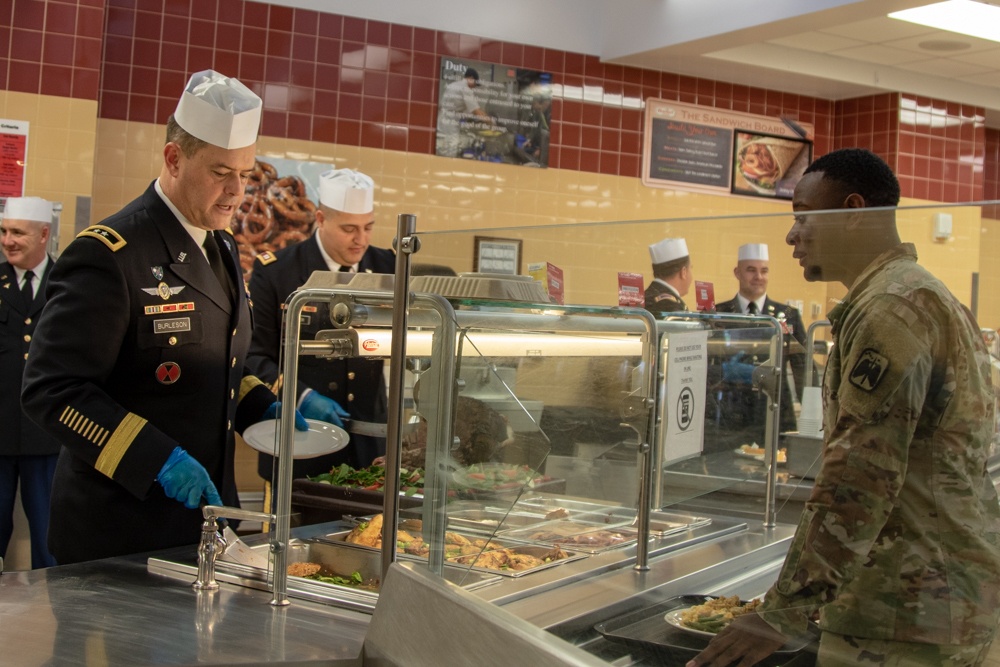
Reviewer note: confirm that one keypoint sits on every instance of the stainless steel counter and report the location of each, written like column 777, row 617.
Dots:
column 115, row 613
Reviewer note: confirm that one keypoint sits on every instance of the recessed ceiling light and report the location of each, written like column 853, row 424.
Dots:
column 943, row 45
column 966, row 17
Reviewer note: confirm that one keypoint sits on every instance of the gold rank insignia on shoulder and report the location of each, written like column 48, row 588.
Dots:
column 265, row 257
column 105, row 235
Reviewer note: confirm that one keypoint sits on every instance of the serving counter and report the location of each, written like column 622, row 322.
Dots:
column 646, row 491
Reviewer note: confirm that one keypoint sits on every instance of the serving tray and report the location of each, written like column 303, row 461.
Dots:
column 646, row 630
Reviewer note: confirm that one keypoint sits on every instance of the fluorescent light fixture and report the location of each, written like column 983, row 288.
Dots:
column 965, row 17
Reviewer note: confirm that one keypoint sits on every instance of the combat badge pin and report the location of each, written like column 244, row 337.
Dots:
column 163, row 290
column 869, row 370
column 168, row 372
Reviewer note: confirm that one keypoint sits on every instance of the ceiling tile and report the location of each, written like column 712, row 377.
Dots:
column 816, row 41
column 987, row 79
column 974, row 45
column 989, row 59
column 945, row 67
column 881, row 55
column 879, row 30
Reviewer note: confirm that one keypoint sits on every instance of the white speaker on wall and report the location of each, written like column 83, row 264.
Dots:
column 942, row 226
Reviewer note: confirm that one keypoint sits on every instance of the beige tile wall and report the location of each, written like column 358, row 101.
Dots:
column 61, row 138
column 448, row 194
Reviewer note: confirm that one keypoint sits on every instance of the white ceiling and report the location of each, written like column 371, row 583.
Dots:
column 832, row 49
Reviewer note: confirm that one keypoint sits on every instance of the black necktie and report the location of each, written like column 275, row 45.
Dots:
column 752, row 308
column 347, row 268
column 215, row 261
column 26, row 289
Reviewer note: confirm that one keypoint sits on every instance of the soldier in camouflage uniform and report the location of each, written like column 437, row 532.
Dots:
column 898, row 549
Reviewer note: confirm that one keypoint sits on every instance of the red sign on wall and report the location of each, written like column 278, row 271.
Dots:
column 13, row 157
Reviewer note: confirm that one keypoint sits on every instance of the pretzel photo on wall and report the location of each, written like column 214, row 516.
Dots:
column 275, row 213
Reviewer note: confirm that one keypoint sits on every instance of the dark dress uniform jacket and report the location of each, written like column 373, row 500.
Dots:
column 661, row 298
column 139, row 350
column 796, row 359
column 356, row 384
column 21, row 436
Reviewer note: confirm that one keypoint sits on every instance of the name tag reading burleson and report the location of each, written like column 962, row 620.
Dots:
column 172, row 325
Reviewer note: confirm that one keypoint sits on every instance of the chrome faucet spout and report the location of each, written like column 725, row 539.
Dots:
column 212, row 544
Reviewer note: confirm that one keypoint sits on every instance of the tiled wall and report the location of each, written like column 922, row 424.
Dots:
column 991, row 172
column 357, row 82
column 937, row 148
column 941, row 149
column 53, row 47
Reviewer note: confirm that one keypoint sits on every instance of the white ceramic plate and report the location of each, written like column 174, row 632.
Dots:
column 321, row 438
column 674, row 619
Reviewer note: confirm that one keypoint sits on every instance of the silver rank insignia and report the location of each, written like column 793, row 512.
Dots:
column 157, row 272
column 163, row 290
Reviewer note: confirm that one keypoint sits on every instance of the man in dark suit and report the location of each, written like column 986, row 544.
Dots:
column 27, row 453
column 672, row 277
column 137, row 364
column 328, row 389
column 744, row 407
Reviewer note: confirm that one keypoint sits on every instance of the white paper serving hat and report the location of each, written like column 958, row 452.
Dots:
column 668, row 250
column 28, row 208
column 219, row 110
column 754, row 251
column 347, row 191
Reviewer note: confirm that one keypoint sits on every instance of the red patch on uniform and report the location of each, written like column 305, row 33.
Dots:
column 168, row 372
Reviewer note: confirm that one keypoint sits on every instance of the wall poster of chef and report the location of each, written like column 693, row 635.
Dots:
column 278, row 207
column 493, row 113
column 704, row 149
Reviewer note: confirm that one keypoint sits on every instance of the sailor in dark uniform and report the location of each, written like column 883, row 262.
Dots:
column 672, row 276
column 137, row 364
column 742, row 409
column 27, row 454
column 328, row 389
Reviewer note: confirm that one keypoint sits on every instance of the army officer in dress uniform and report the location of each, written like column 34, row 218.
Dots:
column 752, row 271
column 329, row 389
column 137, row 365
column 27, row 454
column 672, row 276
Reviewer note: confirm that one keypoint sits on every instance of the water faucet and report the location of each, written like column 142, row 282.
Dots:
column 212, row 544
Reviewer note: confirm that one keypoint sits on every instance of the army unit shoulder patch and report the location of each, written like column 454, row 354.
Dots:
column 105, row 235
column 869, row 370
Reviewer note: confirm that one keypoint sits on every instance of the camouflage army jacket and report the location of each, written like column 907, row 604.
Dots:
column 900, row 539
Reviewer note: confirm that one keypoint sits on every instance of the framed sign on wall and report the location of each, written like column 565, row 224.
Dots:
column 493, row 255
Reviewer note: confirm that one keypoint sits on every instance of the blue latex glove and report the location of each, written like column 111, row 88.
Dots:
column 737, row 371
column 186, row 481
column 272, row 413
column 317, row 406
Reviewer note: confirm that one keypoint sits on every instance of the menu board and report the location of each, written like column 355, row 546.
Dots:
column 704, row 149
column 689, row 152
column 13, row 157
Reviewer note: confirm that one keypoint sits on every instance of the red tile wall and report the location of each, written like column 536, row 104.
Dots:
column 339, row 79
column 345, row 80
column 53, row 47
column 870, row 122
column 991, row 172
column 936, row 148
column 942, row 149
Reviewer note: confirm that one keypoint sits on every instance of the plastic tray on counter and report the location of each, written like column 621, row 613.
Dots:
column 647, row 630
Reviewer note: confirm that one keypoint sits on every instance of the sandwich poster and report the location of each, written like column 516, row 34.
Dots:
column 704, row 149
